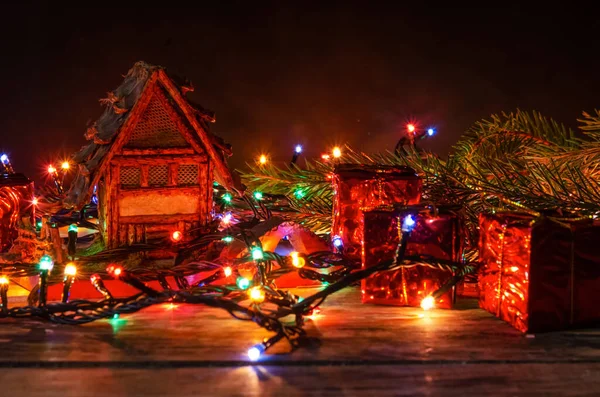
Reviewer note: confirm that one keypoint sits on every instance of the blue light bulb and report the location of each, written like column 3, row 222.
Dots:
column 255, row 351
column 4, row 158
column 430, row 132
column 298, row 149
column 337, row 241
column 408, row 223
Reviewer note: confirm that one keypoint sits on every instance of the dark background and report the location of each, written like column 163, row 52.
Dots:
column 281, row 74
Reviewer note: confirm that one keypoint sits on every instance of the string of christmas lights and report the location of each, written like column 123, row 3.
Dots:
column 267, row 304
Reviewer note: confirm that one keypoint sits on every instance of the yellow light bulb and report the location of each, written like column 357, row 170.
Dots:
column 4, row 280
column 297, row 260
column 70, row 270
column 428, row 303
column 256, row 294
column 227, row 271
column 65, row 165
column 262, row 159
column 337, row 152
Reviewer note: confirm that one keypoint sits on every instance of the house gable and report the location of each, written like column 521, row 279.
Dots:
column 160, row 125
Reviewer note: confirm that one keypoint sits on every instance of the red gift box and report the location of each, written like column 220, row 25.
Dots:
column 16, row 197
column 436, row 234
column 358, row 188
column 539, row 274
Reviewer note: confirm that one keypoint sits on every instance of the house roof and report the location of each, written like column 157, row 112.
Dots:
column 123, row 106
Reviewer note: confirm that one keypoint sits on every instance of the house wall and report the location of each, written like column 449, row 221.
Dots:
column 153, row 195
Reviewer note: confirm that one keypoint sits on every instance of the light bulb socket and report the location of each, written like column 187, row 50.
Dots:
column 67, row 282
column 43, row 288
column 97, row 282
column 4, row 296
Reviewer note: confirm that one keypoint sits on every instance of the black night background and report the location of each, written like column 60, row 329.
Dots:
column 277, row 74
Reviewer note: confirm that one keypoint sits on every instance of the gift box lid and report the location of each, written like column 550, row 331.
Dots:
column 361, row 171
column 514, row 218
column 419, row 208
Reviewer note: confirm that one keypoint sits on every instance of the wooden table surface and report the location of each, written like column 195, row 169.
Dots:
column 355, row 349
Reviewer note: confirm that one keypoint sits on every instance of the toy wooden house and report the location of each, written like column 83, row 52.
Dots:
column 151, row 161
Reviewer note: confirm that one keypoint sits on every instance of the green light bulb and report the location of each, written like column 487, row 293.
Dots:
column 258, row 195
column 46, row 263
column 242, row 283
column 299, row 193
column 73, row 228
column 228, row 239
column 227, row 197
column 257, row 253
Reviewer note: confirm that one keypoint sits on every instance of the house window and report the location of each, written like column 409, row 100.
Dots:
column 130, row 177
column 187, row 174
column 158, row 175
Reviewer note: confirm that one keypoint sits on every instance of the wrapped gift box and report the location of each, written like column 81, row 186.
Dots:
column 539, row 274
column 16, row 196
column 436, row 234
column 358, row 188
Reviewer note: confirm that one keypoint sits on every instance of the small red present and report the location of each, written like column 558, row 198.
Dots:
column 16, row 203
column 539, row 274
column 358, row 188
column 436, row 233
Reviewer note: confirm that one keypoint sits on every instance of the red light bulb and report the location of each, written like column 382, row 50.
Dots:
column 410, row 127
column 114, row 270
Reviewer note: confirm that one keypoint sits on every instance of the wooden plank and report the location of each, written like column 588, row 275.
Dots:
column 167, row 190
column 145, row 169
column 160, row 219
column 456, row 380
column 130, row 234
column 113, row 207
column 156, row 152
column 173, row 167
column 203, row 204
column 139, row 234
column 122, row 234
column 161, row 159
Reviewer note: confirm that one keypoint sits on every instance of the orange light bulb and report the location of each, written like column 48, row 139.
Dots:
column 70, row 270
column 263, row 159
column 428, row 303
column 297, row 260
column 256, row 294
column 176, row 236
